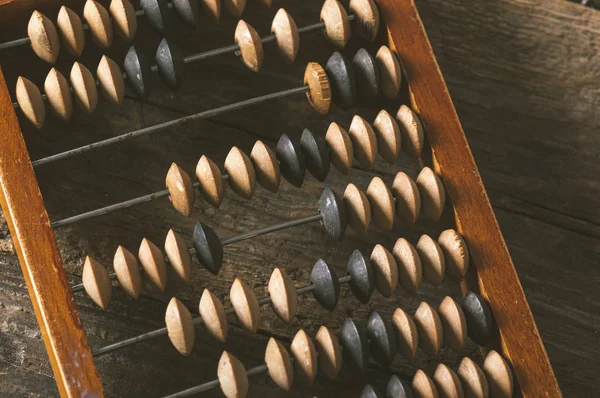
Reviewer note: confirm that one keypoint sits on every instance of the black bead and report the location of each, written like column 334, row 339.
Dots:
column 362, row 282
column 369, row 392
column 291, row 161
column 327, row 285
column 341, row 77
column 333, row 211
column 397, row 388
column 367, row 76
column 209, row 249
column 137, row 69
column 355, row 348
column 316, row 154
column 382, row 339
column 480, row 321
column 157, row 13
column 171, row 68
column 187, row 11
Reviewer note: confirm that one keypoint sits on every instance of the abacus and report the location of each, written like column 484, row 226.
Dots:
column 369, row 81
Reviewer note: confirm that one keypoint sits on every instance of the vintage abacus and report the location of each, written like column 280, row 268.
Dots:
column 503, row 354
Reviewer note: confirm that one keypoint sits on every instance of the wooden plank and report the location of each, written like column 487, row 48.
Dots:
column 498, row 280
column 33, row 238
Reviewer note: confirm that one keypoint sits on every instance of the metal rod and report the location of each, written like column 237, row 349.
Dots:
column 272, row 228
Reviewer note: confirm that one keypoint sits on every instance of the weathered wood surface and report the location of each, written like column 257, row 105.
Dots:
column 522, row 78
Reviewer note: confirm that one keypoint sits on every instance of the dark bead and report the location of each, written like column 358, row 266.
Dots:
column 137, row 69
column 187, row 11
column 171, row 68
column 367, row 76
column 382, row 339
column 342, row 81
column 316, row 154
column 157, row 13
column 480, row 321
column 291, row 161
column 209, row 249
column 327, row 285
column 355, row 348
column 362, row 282
column 397, row 388
column 369, row 392
column 333, row 211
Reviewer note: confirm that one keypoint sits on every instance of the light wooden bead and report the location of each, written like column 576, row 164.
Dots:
column 456, row 253
column 473, row 380
column 245, row 304
column 364, row 142
column 388, row 136
column 211, row 181
column 251, row 48
column 407, row 334
column 319, row 94
column 71, row 30
column 305, row 357
column 181, row 190
column 358, row 209
column 96, row 282
column 30, row 101
column 58, row 94
column 330, row 352
column 337, row 25
column 213, row 314
column 423, row 386
column 128, row 272
column 111, row 80
column 84, row 87
column 232, row 376
column 44, row 38
column 235, row 7
column 432, row 260
column 433, row 194
column 242, row 177
column 284, row 298
column 447, row 382
column 411, row 130
column 124, row 18
column 340, row 147
column 286, row 34
column 408, row 198
column 178, row 255
column 153, row 263
column 499, row 375
column 180, row 326
column 429, row 325
column 382, row 204
column 266, row 166
column 453, row 323
column 385, row 269
column 213, row 8
column 367, row 18
column 99, row 22
column 390, row 72
column 409, row 265
column 279, row 364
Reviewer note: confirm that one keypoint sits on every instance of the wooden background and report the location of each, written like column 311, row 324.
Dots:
column 524, row 78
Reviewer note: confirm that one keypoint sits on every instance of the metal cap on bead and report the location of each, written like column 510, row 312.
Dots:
column 362, row 282
column 171, row 68
column 137, row 69
column 333, row 211
column 480, row 321
column 209, row 249
column 355, row 345
column 326, row 283
column 316, row 154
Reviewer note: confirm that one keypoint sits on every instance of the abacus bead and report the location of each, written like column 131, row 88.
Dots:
column 181, row 190
column 433, row 194
column 397, row 388
column 453, row 323
column 316, row 154
column 84, row 87
column 279, row 364
column 337, row 25
column 156, row 13
column 480, row 321
column 367, row 76
column 211, row 181
column 286, row 34
column 213, row 315
column 364, row 142
column 432, row 260
column 284, row 298
column 343, row 83
column 382, row 204
column 411, row 130
column 369, row 392
column 388, row 136
column 340, row 147
column 362, row 282
column 96, row 282
column 251, row 48
column 180, row 326
column 409, row 265
column 291, row 161
column 178, row 255
column 355, row 345
column 499, row 375
column 232, row 376
column 171, row 68
column 390, row 72
column 266, row 166
column 423, row 386
column 456, row 253
column 330, row 352
column 366, row 17
column 430, row 329
column 242, row 177
column 385, row 270
column 99, row 22
column 473, row 380
column 31, row 102
column 58, row 94
column 153, row 263
column 235, row 7
column 137, row 69
column 213, row 8
column 127, row 270
column 111, row 80
column 44, row 38
column 326, row 283
column 408, row 198
column 187, row 11
column 381, row 339
column 209, row 249
column 319, row 94
column 71, row 30
column 407, row 335
column 333, row 212
column 124, row 18
column 447, row 382
column 358, row 209
column 245, row 304
column 305, row 357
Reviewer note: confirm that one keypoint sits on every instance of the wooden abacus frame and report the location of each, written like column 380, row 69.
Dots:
column 493, row 274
